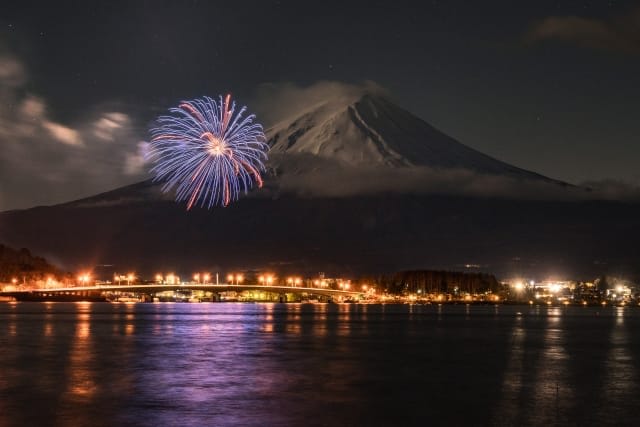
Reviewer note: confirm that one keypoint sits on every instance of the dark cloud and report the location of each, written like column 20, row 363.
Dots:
column 310, row 176
column 620, row 33
column 44, row 161
column 463, row 182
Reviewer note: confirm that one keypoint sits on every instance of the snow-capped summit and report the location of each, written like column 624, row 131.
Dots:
column 369, row 130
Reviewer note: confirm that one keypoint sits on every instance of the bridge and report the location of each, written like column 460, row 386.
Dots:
column 102, row 292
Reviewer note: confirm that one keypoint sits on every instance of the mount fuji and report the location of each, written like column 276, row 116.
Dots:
column 372, row 131
column 355, row 184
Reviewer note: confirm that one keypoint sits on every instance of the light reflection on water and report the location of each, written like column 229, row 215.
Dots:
column 81, row 385
column 509, row 409
column 620, row 377
column 316, row 364
column 552, row 393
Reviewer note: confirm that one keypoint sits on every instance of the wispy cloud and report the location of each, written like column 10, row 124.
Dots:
column 12, row 73
column 62, row 133
column 108, row 124
column 620, row 33
column 275, row 102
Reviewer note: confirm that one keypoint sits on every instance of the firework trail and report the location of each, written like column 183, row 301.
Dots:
column 207, row 152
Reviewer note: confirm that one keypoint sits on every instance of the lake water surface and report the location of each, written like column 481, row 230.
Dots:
column 84, row 364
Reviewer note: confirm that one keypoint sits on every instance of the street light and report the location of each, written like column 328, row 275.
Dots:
column 130, row 278
column 206, row 278
column 196, row 277
column 265, row 279
column 84, row 278
column 235, row 279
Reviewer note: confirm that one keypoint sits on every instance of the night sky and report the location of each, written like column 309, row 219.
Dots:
column 550, row 86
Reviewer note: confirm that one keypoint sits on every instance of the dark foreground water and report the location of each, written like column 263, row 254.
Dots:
column 69, row 364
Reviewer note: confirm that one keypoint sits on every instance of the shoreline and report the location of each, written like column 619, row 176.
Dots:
column 48, row 300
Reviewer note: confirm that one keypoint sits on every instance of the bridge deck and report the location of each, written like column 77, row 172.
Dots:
column 153, row 288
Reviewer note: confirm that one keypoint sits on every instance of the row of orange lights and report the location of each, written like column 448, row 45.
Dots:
column 294, row 281
column 236, row 278
column 204, row 276
column 267, row 279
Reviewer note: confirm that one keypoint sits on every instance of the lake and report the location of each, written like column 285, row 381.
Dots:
column 242, row 364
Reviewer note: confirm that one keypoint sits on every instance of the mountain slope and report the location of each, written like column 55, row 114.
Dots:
column 377, row 233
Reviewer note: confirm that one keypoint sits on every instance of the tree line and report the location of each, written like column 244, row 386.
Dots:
column 435, row 281
column 20, row 264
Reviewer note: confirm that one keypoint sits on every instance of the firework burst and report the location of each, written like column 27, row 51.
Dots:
column 207, row 152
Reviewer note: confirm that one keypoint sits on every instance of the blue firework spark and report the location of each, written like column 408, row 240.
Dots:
column 207, row 152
